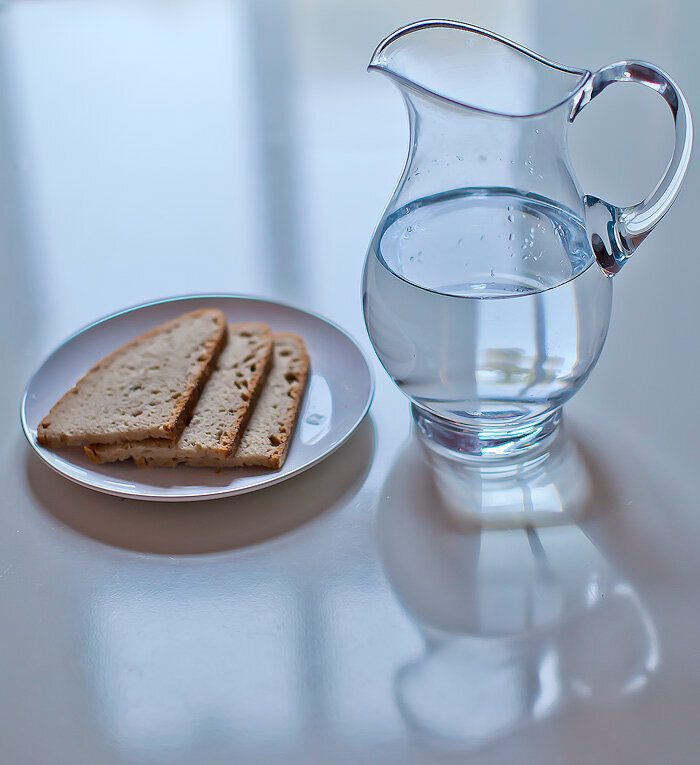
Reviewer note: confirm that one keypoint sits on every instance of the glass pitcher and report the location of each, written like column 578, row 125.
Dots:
column 487, row 289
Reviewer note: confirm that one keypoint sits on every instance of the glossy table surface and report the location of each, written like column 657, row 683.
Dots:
column 150, row 149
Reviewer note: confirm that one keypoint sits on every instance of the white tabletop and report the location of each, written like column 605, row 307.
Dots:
column 150, row 149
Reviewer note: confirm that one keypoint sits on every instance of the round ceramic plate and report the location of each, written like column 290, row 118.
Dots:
column 337, row 397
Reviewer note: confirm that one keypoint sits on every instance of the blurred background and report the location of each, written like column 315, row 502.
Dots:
column 160, row 147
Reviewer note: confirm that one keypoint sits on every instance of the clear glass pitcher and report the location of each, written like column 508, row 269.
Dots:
column 487, row 288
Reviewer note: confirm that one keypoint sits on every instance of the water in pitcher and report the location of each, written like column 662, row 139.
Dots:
column 472, row 304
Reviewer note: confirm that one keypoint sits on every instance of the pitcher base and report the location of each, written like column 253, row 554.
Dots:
column 484, row 444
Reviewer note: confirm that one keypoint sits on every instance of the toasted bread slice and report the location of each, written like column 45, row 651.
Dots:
column 145, row 389
column 223, row 410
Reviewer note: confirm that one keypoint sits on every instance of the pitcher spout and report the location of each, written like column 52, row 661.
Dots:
column 464, row 65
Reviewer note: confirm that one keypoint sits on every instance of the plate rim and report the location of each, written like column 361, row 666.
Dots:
column 274, row 478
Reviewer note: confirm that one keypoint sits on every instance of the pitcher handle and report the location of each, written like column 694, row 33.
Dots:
column 617, row 232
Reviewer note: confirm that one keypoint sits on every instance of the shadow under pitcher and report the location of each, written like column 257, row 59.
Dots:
column 487, row 286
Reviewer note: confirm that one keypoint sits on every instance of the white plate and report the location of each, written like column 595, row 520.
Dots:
column 337, row 398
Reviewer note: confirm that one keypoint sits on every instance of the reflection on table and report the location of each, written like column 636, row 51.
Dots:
column 517, row 623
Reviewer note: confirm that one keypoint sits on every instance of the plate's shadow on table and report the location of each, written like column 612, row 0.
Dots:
column 206, row 527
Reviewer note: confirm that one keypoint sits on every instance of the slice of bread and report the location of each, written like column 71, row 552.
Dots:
column 223, row 410
column 266, row 439
column 145, row 389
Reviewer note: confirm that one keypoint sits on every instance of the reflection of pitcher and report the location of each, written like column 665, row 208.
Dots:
column 482, row 295
column 549, row 485
column 517, row 622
